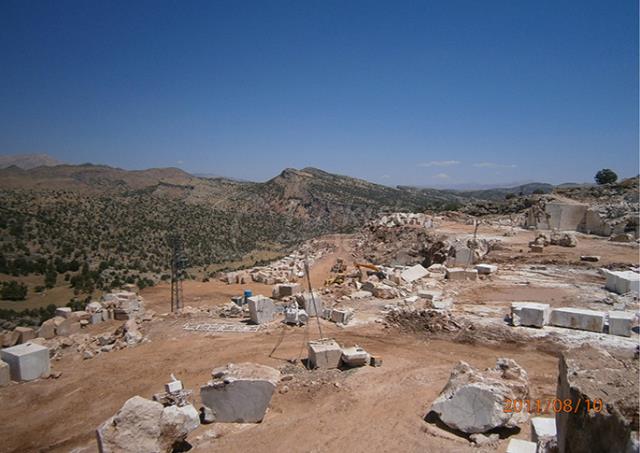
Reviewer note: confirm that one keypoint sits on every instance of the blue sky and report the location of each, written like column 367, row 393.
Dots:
column 425, row 93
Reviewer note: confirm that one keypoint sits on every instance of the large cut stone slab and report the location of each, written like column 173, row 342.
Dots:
column 578, row 318
column 240, row 393
column 621, row 323
column 27, row 361
column 355, row 356
column 473, row 400
column 261, row 309
column 324, row 354
column 307, row 303
column 608, row 380
column 285, row 290
column 530, row 314
column 414, row 273
column 622, row 282
column 142, row 425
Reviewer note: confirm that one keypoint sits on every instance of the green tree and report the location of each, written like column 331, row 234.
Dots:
column 50, row 277
column 13, row 290
column 606, row 176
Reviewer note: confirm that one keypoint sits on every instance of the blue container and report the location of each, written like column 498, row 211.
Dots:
column 247, row 294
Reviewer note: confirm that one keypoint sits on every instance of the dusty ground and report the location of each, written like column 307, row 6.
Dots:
column 368, row 409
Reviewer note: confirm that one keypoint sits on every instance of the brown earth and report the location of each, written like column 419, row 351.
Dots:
column 367, row 409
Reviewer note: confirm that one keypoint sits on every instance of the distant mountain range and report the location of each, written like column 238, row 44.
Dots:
column 28, row 161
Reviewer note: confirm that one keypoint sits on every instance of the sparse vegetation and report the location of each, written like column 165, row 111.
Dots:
column 606, row 176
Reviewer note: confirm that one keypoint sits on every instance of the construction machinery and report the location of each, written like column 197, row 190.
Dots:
column 372, row 267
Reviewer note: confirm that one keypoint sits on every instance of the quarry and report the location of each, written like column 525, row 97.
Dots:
column 430, row 332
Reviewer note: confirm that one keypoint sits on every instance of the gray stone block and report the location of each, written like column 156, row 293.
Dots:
column 261, row 309
column 27, row 361
column 622, row 282
column 324, row 354
column 621, row 323
column 354, row 356
column 486, row 269
column 240, row 393
column 577, row 318
column 307, row 302
column 530, row 314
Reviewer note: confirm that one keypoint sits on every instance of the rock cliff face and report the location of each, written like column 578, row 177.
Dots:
column 604, row 389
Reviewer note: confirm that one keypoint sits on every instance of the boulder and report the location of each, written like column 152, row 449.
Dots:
column 610, row 384
column 324, row 354
column 473, row 400
column 25, row 334
column 10, row 338
column 383, row 291
column 5, row 374
column 142, row 425
column 47, row 329
column 132, row 334
column 240, row 393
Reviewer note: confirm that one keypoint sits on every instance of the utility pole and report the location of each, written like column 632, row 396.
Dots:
column 178, row 265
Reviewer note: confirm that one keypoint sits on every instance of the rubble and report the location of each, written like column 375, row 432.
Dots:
column 609, row 385
column 530, row 314
column 27, row 361
column 424, row 321
column 473, row 400
column 143, row 425
column 563, row 239
column 240, row 393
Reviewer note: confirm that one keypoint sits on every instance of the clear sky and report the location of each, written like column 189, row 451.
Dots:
column 398, row 92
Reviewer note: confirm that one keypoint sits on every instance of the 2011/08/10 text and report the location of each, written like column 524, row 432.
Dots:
column 553, row 405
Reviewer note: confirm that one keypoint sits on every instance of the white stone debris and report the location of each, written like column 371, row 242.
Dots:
column 530, row 314
column 240, row 393
column 577, row 318
column 324, row 354
column 26, row 361
column 473, row 400
column 142, row 425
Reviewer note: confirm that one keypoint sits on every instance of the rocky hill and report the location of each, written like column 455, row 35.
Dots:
column 117, row 221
